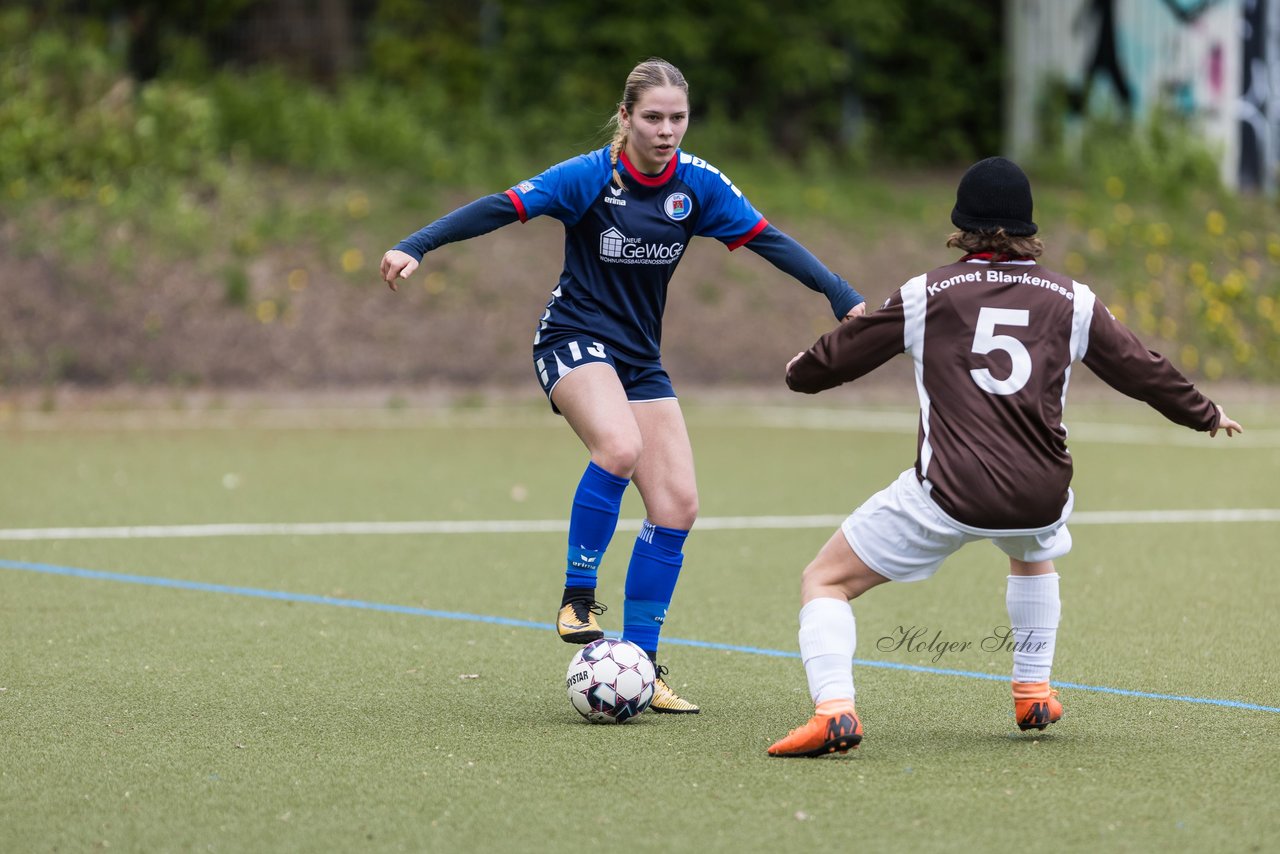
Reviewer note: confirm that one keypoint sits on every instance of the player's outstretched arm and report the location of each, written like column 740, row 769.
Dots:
column 397, row 265
column 788, row 255
column 480, row 217
column 1225, row 423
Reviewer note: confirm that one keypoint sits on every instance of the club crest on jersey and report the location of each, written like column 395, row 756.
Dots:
column 678, row 206
column 525, row 187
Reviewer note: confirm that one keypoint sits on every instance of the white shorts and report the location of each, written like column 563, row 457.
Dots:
column 901, row 534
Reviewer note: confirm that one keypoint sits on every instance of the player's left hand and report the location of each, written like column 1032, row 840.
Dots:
column 1225, row 423
column 397, row 265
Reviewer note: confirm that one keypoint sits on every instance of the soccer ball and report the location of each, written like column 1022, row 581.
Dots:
column 610, row 681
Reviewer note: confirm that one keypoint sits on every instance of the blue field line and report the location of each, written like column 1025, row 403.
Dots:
column 312, row 599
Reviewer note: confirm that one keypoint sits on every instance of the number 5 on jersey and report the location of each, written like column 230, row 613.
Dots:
column 986, row 341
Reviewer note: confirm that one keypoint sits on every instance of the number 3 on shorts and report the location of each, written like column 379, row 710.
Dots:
column 985, row 341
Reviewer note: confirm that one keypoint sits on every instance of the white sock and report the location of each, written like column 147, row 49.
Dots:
column 1034, row 612
column 827, row 640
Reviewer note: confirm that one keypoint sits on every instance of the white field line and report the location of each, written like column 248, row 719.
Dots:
column 1155, row 432
column 541, row 526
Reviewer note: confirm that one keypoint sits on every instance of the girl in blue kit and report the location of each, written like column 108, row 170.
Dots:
column 629, row 210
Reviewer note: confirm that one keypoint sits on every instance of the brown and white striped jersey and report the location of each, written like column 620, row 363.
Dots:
column 993, row 345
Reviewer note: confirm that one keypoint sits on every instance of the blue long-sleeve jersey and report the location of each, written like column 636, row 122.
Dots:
column 622, row 245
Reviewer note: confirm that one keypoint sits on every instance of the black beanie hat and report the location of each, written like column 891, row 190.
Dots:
column 994, row 194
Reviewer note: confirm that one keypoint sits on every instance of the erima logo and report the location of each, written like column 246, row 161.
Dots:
column 614, row 200
column 587, row 558
column 617, row 191
column 620, row 249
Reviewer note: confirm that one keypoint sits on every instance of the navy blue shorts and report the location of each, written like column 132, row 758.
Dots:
column 556, row 355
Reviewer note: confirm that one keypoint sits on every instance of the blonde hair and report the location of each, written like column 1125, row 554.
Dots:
column 997, row 242
column 650, row 74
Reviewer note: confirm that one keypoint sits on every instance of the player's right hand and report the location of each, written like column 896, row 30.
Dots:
column 397, row 265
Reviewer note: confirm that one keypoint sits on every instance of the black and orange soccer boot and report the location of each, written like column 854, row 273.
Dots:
column 576, row 622
column 1035, row 705
column 834, row 728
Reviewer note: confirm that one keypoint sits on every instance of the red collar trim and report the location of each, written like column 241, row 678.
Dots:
column 650, row 180
column 995, row 257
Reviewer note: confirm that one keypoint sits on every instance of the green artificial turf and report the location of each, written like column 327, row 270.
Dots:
column 145, row 717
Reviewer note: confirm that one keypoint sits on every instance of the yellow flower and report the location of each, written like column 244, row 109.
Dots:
column 107, row 195
column 1266, row 307
column 1233, row 283
column 1115, row 187
column 1123, row 214
column 1215, row 313
column 1213, row 367
column 1215, row 223
column 1243, row 352
column 1155, row 263
column 352, row 260
column 434, row 282
column 298, row 278
column 357, row 205
column 1197, row 273
column 1159, row 234
column 1190, row 357
column 268, row 311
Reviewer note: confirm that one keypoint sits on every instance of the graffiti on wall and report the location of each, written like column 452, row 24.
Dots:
column 1104, row 55
column 1259, row 103
column 1215, row 62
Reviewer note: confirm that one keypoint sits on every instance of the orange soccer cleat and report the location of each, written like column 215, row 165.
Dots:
column 1035, row 705
column 834, row 728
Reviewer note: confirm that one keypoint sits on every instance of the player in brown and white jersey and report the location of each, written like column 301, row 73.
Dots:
column 993, row 338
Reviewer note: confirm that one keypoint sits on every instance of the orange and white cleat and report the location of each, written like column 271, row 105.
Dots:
column 834, row 728
column 1035, row 705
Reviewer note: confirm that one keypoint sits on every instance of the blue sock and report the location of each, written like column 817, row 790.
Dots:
column 592, row 521
column 651, row 580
